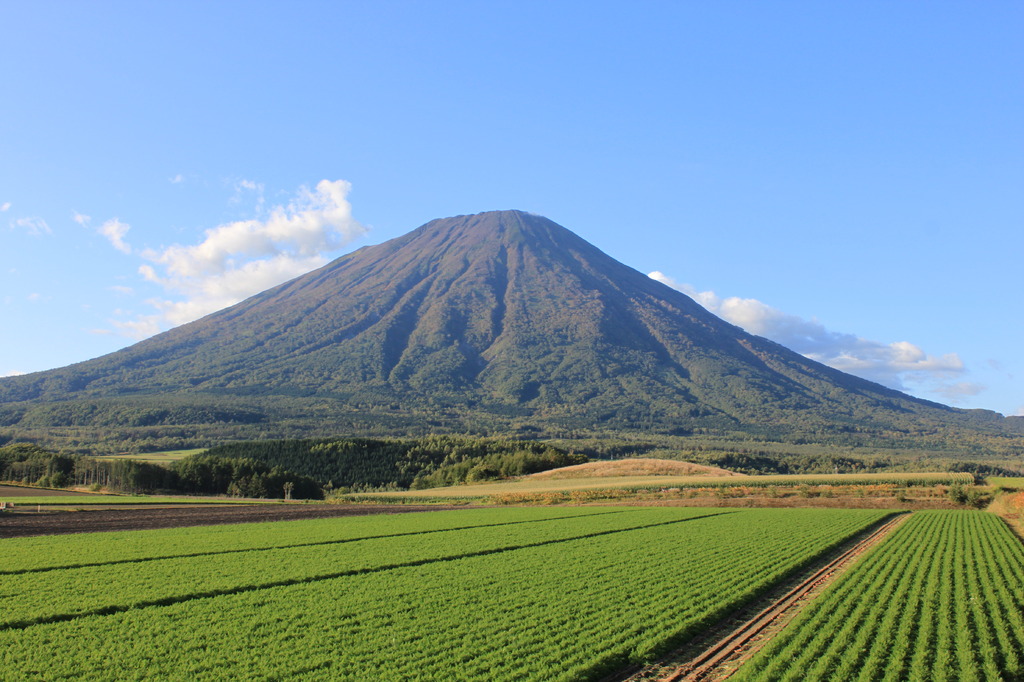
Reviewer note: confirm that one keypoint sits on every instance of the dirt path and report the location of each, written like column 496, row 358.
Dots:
column 716, row 654
column 26, row 523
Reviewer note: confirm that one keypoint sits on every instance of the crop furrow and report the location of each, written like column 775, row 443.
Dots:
column 239, row 589
column 271, row 548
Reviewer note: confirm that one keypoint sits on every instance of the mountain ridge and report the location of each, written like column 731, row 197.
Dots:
column 497, row 320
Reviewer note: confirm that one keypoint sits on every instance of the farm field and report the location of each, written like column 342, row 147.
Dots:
column 95, row 499
column 537, row 593
column 165, row 457
column 1006, row 482
column 24, row 495
column 541, row 484
column 127, row 518
column 940, row 599
column 9, row 493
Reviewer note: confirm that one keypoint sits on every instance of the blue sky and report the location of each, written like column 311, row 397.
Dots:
column 846, row 178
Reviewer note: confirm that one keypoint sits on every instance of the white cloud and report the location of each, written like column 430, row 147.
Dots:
column 118, row 289
column 960, row 390
column 242, row 187
column 12, row 373
column 4, row 207
column 239, row 259
column 178, row 179
column 114, row 230
column 140, row 328
column 890, row 364
column 33, row 225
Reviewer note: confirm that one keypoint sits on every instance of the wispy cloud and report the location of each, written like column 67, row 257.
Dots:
column 236, row 260
column 34, row 226
column 4, row 207
column 140, row 328
column 244, row 187
column 959, row 390
column 890, row 364
column 114, row 230
column 177, row 179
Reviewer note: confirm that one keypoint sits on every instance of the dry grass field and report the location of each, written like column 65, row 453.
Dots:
column 154, row 457
column 631, row 467
column 530, row 485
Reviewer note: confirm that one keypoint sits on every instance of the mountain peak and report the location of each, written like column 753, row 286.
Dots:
column 508, row 224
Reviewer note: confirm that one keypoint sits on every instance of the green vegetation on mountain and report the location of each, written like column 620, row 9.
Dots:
column 496, row 324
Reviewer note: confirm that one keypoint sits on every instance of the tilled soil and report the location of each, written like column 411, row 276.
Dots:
column 9, row 491
column 26, row 523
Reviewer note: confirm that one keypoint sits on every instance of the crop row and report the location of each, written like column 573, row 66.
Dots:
column 940, row 599
column 35, row 553
column 563, row 605
column 43, row 596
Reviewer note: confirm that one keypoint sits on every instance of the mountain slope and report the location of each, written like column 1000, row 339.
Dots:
column 496, row 321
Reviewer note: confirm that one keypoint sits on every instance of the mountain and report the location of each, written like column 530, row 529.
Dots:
column 500, row 323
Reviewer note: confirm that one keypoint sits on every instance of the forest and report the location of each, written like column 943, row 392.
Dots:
column 428, row 462
column 263, row 468
column 199, row 474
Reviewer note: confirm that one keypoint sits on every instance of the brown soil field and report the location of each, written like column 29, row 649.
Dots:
column 633, row 467
column 26, row 523
column 20, row 491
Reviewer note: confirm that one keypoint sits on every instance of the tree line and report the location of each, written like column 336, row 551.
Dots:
column 426, row 462
column 199, row 474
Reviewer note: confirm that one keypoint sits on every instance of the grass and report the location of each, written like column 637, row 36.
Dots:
column 1006, row 482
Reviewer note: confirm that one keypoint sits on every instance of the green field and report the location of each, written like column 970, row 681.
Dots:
column 536, row 593
column 940, row 599
column 1006, row 482
column 541, row 485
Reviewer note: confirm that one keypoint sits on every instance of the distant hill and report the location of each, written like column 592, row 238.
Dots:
column 632, row 467
column 501, row 323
